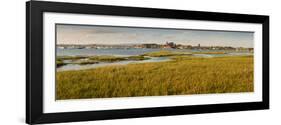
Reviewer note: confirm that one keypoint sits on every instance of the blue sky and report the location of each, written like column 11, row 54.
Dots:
column 81, row 34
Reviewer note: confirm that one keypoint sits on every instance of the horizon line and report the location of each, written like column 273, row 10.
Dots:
column 154, row 43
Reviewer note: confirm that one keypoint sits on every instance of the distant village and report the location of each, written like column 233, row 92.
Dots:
column 170, row 45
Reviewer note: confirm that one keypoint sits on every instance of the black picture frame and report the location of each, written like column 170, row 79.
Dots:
column 34, row 61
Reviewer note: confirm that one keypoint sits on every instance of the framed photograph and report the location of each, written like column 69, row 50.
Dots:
column 96, row 62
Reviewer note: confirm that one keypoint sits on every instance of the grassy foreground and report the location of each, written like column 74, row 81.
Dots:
column 183, row 75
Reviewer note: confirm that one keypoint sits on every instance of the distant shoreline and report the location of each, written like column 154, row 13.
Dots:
column 170, row 45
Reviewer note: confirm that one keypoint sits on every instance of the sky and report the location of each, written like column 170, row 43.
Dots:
column 86, row 34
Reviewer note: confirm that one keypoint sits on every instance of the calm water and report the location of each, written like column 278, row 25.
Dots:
column 126, row 52
column 91, row 66
column 110, row 51
column 122, row 52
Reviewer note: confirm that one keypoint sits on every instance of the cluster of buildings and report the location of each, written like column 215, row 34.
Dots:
column 171, row 45
column 166, row 45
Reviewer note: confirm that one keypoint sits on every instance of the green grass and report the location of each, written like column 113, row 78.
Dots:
column 136, row 58
column 114, row 58
column 71, row 57
column 209, row 52
column 95, row 59
column 106, row 58
column 183, row 75
column 164, row 53
column 85, row 62
column 59, row 63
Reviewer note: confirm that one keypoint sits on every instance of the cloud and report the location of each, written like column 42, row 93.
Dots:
column 69, row 34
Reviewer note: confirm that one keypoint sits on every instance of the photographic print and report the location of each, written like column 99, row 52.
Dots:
column 95, row 61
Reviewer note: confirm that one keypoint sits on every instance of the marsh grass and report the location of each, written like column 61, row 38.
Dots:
column 183, row 75
column 136, row 58
column 209, row 52
column 59, row 63
column 164, row 53
column 86, row 62
column 106, row 58
column 71, row 57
